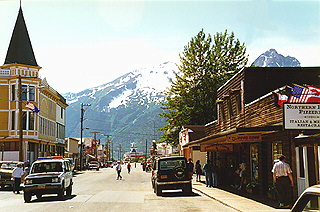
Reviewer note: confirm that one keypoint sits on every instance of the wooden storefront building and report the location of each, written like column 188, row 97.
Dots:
column 249, row 129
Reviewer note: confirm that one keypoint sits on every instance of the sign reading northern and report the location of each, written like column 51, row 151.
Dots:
column 302, row 116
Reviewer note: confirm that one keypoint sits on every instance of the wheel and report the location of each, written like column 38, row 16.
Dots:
column 39, row 196
column 27, row 196
column 69, row 190
column 61, row 193
column 158, row 190
column 187, row 188
column 179, row 172
column 97, row 169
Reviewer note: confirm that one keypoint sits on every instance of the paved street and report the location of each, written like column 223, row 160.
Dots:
column 100, row 191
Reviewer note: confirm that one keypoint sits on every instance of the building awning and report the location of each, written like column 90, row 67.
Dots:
column 236, row 135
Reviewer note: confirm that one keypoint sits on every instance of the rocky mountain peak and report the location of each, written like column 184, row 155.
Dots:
column 272, row 58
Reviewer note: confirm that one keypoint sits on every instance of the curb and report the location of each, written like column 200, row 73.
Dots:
column 216, row 199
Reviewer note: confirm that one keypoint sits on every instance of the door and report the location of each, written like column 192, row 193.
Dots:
column 302, row 169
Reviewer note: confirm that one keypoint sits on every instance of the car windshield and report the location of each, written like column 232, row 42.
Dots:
column 8, row 165
column 171, row 164
column 47, row 167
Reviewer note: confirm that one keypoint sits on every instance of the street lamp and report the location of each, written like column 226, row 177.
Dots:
column 81, row 130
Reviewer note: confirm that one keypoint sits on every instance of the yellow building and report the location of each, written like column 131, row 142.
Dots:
column 25, row 133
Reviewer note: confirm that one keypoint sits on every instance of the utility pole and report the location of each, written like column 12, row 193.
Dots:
column 81, row 131
column 20, row 120
column 107, row 146
column 119, row 152
column 95, row 151
column 146, row 148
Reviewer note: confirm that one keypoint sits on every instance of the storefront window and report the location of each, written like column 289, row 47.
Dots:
column 276, row 150
column 254, row 162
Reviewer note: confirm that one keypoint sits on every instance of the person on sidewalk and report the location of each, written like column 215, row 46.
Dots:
column 118, row 168
column 282, row 176
column 129, row 167
column 190, row 167
column 207, row 171
column 17, row 174
column 214, row 171
column 198, row 171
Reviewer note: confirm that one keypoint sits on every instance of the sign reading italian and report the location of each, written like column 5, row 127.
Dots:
column 244, row 138
column 302, row 116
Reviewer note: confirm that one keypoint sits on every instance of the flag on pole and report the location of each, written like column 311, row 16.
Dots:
column 32, row 107
column 282, row 98
column 299, row 94
column 314, row 94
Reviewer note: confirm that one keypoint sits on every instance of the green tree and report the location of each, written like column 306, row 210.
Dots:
column 205, row 65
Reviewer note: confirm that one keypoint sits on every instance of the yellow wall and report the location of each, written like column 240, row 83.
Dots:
column 4, row 97
column 3, row 124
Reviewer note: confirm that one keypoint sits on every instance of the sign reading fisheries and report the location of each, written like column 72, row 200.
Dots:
column 301, row 116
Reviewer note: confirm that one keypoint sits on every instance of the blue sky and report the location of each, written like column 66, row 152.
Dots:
column 84, row 43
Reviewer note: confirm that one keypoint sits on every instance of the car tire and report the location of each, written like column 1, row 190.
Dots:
column 27, row 197
column 187, row 188
column 69, row 190
column 158, row 190
column 38, row 196
column 179, row 172
column 61, row 193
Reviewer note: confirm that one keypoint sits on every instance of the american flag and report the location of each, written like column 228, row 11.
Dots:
column 32, row 107
column 299, row 94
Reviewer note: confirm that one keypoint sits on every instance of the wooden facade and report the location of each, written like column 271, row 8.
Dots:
column 249, row 129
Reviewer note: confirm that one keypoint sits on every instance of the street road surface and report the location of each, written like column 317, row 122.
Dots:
column 100, row 191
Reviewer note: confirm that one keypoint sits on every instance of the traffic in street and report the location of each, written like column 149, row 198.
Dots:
column 101, row 191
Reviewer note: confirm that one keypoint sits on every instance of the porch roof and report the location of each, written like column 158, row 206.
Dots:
column 221, row 137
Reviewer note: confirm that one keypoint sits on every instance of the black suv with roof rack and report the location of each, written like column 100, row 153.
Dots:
column 170, row 173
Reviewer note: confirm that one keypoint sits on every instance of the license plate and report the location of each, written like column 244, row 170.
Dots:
column 164, row 177
column 41, row 186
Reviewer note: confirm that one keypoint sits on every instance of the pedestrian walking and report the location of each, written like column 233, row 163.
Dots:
column 207, row 171
column 129, row 167
column 17, row 174
column 118, row 168
column 198, row 171
column 190, row 167
column 282, row 177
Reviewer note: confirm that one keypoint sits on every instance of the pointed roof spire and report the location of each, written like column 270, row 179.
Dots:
column 20, row 48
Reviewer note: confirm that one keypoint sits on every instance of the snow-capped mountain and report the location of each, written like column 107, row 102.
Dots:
column 271, row 58
column 127, row 108
column 148, row 83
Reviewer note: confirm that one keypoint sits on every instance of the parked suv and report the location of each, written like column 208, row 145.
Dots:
column 170, row 173
column 48, row 176
column 6, row 168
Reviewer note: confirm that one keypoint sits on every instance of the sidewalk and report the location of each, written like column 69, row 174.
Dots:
column 235, row 201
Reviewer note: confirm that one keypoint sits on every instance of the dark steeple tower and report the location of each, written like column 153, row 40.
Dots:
column 20, row 49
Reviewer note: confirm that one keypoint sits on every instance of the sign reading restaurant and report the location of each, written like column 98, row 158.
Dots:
column 302, row 116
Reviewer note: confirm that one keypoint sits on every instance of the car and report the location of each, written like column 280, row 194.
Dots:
column 6, row 168
column 48, row 175
column 94, row 165
column 109, row 164
column 170, row 173
column 310, row 195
